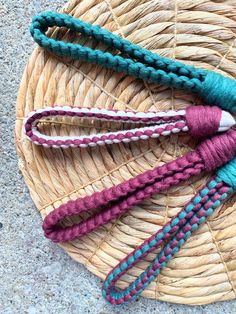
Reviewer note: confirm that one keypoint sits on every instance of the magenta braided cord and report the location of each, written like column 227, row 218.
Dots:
column 199, row 121
column 209, row 155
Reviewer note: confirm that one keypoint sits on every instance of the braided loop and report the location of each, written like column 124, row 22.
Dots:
column 141, row 63
column 176, row 232
column 146, row 65
column 208, row 120
column 209, row 155
column 118, row 199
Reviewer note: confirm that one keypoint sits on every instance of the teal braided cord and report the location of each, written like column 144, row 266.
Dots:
column 140, row 62
column 120, row 64
column 120, row 295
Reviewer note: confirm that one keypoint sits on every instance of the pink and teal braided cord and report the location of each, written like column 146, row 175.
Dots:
column 214, row 88
column 176, row 231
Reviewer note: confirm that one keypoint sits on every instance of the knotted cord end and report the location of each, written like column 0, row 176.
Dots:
column 219, row 90
column 218, row 150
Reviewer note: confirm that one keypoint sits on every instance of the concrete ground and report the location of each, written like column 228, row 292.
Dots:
column 40, row 277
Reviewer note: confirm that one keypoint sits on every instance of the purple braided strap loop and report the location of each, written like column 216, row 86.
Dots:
column 209, row 155
column 199, row 121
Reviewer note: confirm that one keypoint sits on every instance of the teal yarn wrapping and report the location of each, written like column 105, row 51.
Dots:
column 219, row 90
column 227, row 173
column 215, row 89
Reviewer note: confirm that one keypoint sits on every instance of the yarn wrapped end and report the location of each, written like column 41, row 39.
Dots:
column 204, row 121
column 218, row 150
column 219, row 90
column 228, row 173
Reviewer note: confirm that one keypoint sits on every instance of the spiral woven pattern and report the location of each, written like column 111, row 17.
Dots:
column 198, row 32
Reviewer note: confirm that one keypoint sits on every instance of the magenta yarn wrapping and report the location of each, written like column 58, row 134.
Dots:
column 203, row 121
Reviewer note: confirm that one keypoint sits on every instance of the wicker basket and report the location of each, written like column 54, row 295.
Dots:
column 198, row 32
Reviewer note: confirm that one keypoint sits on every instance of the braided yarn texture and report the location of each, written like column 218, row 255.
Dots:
column 199, row 121
column 214, row 88
column 204, row 270
column 175, row 232
column 209, row 155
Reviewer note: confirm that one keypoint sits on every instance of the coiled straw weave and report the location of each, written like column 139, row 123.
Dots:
column 198, row 32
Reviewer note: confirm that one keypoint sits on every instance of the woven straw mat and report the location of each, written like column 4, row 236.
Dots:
column 198, row 32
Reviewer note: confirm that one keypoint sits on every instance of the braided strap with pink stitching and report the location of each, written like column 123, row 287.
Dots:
column 209, row 155
column 199, row 121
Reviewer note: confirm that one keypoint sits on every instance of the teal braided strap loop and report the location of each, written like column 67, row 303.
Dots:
column 136, row 61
